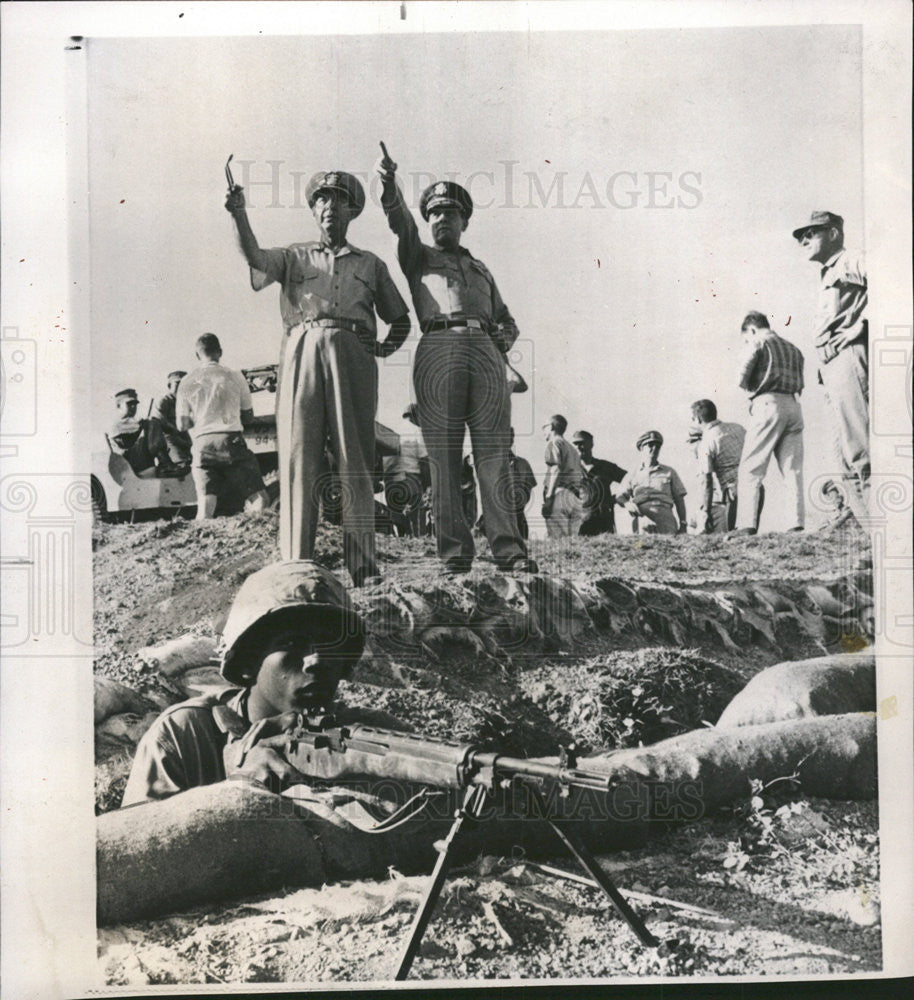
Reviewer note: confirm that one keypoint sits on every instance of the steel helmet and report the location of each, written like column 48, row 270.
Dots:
column 296, row 592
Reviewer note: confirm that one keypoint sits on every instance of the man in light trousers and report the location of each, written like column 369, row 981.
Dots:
column 771, row 372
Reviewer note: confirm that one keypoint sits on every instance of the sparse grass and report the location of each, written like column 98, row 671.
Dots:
column 633, row 698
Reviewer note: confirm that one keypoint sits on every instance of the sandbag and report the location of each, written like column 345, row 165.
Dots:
column 230, row 839
column 178, row 655
column 834, row 757
column 825, row 685
column 233, row 839
column 113, row 698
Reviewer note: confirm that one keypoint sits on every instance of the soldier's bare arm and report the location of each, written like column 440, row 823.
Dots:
column 235, row 205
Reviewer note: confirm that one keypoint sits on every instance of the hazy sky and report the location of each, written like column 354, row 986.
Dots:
column 636, row 191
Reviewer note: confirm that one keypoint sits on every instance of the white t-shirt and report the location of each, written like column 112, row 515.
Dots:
column 213, row 396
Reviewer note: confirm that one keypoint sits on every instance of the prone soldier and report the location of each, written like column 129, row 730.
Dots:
column 292, row 634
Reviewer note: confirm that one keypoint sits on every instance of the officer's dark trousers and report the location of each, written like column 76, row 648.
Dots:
column 459, row 378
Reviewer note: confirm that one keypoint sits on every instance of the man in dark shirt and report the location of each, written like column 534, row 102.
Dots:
column 178, row 441
column 599, row 475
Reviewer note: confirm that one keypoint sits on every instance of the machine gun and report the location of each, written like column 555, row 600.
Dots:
column 261, row 379
column 321, row 748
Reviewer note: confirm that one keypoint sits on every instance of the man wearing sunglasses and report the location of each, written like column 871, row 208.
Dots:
column 841, row 342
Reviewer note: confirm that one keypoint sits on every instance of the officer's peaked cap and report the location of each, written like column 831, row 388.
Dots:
column 649, row 437
column 445, row 193
column 126, row 394
column 337, row 180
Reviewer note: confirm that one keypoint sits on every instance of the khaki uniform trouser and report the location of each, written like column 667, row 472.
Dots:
column 459, row 379
column 567, row 514
column 846, row 382
column 328, row 388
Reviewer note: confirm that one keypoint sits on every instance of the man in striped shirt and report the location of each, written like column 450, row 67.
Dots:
column 771, row 372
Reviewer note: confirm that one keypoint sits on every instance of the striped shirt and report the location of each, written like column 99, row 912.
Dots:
column 719, row 451
column 771, row 364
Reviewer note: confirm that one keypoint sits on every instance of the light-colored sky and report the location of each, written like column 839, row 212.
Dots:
column 628, row 309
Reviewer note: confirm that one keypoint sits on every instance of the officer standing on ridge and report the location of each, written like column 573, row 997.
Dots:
column 654, row 491
column 771, row 372
column 842, row 348
column 459, row 374
column 562, row 509
column 328, row 377
column 718, row 451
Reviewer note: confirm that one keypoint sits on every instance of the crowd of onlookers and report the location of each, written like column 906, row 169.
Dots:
column 197, row 426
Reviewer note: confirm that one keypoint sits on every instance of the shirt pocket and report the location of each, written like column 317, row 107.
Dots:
column 480, row 288
column 306, row 281
column 444, row 282
column 365, row 283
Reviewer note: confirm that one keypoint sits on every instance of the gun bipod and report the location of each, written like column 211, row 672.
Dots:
column 473, row 803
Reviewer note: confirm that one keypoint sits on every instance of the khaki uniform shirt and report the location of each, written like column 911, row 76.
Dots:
column 842, row 302
column 446, row 283
column 319, row 283
column 567, row 461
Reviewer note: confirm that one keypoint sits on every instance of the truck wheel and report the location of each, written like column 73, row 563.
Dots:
column 99, row 502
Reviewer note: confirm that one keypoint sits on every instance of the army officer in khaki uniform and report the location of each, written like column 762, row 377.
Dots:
column 459, row 374
column 328, row 377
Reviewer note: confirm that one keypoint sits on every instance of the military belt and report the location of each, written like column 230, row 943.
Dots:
column 366, row 337
column 336, row 324
column 449, row 322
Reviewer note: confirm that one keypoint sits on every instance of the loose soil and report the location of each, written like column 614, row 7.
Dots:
column 793, row 884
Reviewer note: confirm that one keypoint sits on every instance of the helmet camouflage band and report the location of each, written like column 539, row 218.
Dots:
column 294, row 593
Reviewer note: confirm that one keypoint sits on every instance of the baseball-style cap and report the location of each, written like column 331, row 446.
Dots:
column 337, row 180
column 582, row 436
column 445, row 193
column 820, row 220
column 127, row 394
column 649, row 437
